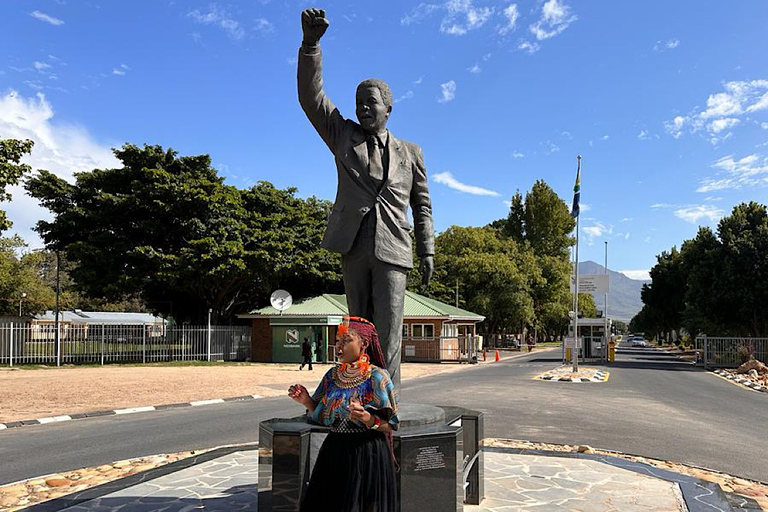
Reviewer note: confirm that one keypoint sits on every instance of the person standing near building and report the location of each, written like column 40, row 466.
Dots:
column 306, row 353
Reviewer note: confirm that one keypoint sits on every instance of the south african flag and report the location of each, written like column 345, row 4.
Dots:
column 576, row 190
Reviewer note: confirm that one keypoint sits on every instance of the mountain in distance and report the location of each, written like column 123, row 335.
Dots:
column 624, row 295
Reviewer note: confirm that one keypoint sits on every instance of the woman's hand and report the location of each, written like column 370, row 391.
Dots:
column 358, row 413
column 300, row 394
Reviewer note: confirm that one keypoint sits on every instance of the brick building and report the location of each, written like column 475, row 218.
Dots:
column 432, row 330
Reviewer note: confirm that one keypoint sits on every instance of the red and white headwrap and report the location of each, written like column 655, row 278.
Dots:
column 367, row 332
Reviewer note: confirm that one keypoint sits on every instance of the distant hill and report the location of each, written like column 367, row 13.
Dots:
column 624, row 298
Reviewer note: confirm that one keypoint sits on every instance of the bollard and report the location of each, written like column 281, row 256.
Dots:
column 497, row 356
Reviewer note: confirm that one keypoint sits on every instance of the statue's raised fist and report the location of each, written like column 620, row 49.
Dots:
column 313, row 24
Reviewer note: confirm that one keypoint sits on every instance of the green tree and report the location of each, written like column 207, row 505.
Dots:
column 168, row 230
column 11, row 170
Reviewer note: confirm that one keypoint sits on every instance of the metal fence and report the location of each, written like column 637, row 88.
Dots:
column 104, row 343
column 718, row 352
column 442, row 349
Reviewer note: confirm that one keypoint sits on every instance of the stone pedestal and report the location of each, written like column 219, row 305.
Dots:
column 438, row 450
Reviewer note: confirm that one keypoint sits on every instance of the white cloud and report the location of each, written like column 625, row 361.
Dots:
column 46, row 18
column 487, row 57
column 41, row 65
column 640, row 275
column 713, row 199
column 566, row 135
column 447, row 92
column 584, row 207
column 418, row 81
column 511, row 14
column 724, row 109
column 475, row 69
column 446, row 178
column 263, row 26
column 596, row 230
column 461, row 16
column 550, row 146
column 750, row 171
column 764, row 126
column 627, row 219
column 718, row 125
column 675, row 128
column 218, row 17
column 118, row 72
column 643, row 135
column 693, row 213
column 670, row 44
column 408, row 95
column 555, row 17
column 60, row 148
column 518, row 154
column 606, row 137
column 530, row 47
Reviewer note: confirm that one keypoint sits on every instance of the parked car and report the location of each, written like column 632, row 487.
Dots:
column 638, row 341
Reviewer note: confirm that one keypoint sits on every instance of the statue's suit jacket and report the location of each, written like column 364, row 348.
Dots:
column 357, row 195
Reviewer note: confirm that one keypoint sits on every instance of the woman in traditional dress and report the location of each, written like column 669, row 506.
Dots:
column 355, row 469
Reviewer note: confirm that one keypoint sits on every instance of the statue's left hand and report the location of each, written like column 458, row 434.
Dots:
column 427, row 268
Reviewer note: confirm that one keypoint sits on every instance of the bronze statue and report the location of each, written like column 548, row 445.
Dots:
column 379, row 177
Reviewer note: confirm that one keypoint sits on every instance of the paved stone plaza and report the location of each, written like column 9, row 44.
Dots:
column 227, row 479
column 526, row 483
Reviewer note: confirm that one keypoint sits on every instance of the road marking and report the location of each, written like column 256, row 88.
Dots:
column 207, row 402
column 134, row 409
column 737, row 384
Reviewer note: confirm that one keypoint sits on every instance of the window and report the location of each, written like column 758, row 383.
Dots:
column 405, row 331
column 450, row 330
column 422, row 331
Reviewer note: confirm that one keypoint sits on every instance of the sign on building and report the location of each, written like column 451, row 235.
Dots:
column 292, row 336
column 569, row 342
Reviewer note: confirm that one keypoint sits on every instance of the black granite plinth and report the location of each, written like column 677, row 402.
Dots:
column 439, row 452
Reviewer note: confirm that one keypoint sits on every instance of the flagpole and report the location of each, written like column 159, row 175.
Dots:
column 575, row 351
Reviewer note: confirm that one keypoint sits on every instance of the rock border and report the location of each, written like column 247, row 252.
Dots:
column 131, row 410
column 743, row 381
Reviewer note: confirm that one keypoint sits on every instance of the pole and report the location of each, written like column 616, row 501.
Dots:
column 144, row 343
column 575, row 352
column 605, row 307
column 209, row 333
column 57, row 346
column 102, row 344
column 11, row 348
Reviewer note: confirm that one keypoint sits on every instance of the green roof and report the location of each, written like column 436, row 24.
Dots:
column 336, row 305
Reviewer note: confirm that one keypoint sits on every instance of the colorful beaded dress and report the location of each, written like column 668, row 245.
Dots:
column 355, row 471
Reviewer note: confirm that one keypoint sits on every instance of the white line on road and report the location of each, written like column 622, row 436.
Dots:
column 134, row 409
column 207, row 402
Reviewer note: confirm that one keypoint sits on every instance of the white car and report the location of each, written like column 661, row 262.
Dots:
column 638, row 341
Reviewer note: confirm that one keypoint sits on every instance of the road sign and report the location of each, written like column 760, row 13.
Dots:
column 596, row 283
column 569, row 342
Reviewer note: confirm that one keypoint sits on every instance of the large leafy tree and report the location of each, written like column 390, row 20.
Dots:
column 166, row 228
column 11, row 170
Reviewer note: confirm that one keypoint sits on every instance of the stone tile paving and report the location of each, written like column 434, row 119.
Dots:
column 515, row 482
column 228, row 483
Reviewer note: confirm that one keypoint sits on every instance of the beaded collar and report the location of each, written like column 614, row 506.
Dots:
column 351, row 375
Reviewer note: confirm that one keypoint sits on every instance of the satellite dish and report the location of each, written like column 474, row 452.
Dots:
column 281, row 300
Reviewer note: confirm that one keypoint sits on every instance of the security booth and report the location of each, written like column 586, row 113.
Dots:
column 593, row 347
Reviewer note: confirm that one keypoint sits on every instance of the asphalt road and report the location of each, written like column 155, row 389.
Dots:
column 653, row 405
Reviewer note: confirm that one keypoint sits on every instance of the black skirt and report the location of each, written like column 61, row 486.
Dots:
column 353, row 473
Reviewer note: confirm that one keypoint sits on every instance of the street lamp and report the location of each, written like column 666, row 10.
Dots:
column 23, row 296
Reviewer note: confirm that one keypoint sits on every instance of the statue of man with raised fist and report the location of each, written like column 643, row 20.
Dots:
column 379, row 176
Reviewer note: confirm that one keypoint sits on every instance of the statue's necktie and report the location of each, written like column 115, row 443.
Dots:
column 375, row 166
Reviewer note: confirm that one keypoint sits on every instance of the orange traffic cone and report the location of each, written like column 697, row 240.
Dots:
column 497, row 356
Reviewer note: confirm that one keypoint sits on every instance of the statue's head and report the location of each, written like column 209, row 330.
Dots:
column 373, row 102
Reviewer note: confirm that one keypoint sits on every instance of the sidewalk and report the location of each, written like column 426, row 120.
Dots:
column 515, row 480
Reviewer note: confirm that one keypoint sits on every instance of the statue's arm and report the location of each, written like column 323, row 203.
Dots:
column 421, row 205
column 320, row 110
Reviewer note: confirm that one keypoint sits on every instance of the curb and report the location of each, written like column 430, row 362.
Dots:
column 748, row 383
column 131, row 410
column 600, row 376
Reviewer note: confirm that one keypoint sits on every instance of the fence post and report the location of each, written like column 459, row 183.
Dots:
column 58, row 344
column 144, row 343
column 11, row 351
column 102, row 344
column 705, row 351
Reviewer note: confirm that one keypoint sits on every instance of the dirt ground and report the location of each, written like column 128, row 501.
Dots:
column 30, row 394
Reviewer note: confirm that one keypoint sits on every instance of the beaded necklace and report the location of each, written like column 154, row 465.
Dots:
column 351, row 375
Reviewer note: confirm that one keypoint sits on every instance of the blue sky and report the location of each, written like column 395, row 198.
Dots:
column 667, row 102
